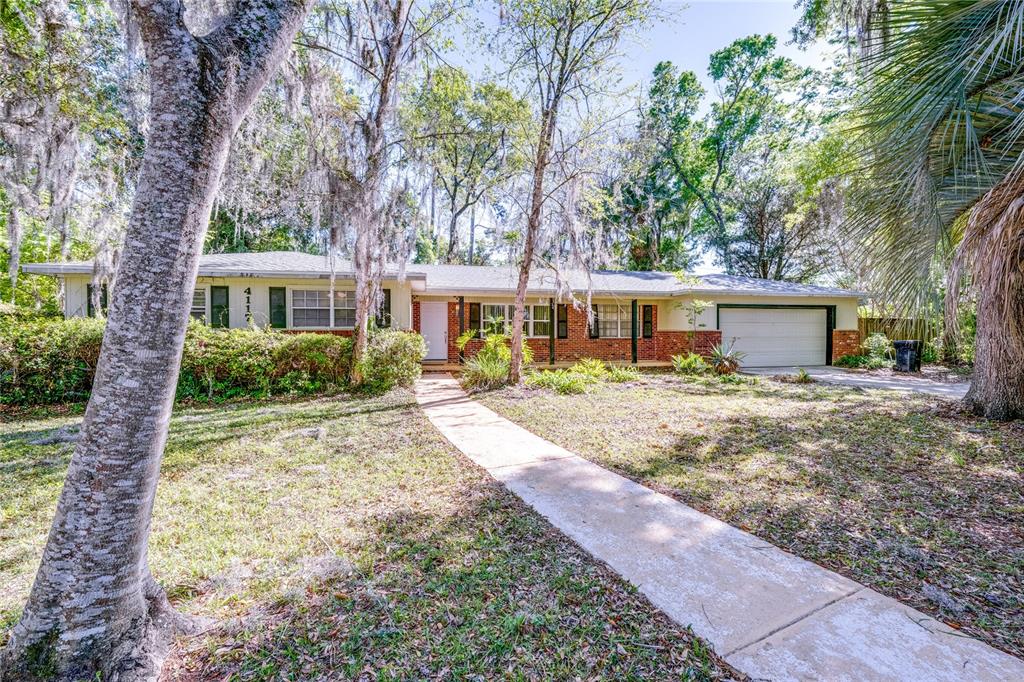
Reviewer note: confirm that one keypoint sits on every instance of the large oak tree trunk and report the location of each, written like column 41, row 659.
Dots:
column 94, row 610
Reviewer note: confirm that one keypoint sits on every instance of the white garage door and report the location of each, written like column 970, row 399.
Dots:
column 775, row 337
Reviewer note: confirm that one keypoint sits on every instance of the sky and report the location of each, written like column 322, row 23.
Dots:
column 688, row 37
column 701, row 28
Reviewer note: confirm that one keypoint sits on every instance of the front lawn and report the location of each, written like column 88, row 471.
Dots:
column 903, row 493
column 343, row 538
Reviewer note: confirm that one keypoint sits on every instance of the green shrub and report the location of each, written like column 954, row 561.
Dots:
column 725, row 360
column 219, row 364
column 862, row 362
column 485, row 372
column 320, row 359
column 581, row 375
column 393, row 359
column 489, row 367
column 560, row 380
column 621, row 375
column 929, row 353
column 690, row 363
column 45, row 360
column 877, row 345
column 851, row 361
column 802, row 377
column 591, row 367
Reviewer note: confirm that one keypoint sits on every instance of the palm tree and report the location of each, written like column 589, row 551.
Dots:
column 942, row 142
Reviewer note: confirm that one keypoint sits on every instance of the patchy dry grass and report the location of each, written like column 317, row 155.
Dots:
column 345, row 539
column 903, row 493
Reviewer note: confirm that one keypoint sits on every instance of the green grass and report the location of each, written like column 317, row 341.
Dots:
column 369, row 549
column 903, row 493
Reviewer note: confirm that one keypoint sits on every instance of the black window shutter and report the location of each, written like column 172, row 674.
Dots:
column 474, row 318
column 278, row 310
column 563, row 321
column 219, row 309
column 384, row 317
column 595, row 332
column 648, row 318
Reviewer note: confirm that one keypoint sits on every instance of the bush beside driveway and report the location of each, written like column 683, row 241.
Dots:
column 900, row 492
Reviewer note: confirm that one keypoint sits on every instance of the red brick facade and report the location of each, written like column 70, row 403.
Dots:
column 676, row 343
column 661, row 347
column 416, row 316
column 845, row 342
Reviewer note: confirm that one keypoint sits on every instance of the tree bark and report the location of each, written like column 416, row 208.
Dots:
column 95, row 612
column 472, row 233
column 371, row 212
column 997, row 386
column 14, row 239
column 515, row 366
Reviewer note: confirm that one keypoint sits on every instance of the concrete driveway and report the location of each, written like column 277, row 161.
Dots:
column 843, row 377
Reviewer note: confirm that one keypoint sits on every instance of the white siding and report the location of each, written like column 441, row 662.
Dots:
column 75, row 298
column 259, row 297
column 671, row 315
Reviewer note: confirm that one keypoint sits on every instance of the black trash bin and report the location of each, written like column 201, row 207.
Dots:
column 908, row 356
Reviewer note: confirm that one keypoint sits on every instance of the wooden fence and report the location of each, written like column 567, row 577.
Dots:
column 899, row 327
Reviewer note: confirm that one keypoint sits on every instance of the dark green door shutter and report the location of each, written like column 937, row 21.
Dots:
column 278, row 313
column 563, row 321
column 648, row 318
column 219, row 309
column 595, row 332
column 474, row 318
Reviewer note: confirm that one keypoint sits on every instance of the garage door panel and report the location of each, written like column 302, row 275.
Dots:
column 776, row 337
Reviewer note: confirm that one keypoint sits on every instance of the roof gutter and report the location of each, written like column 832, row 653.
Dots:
column 62, row 269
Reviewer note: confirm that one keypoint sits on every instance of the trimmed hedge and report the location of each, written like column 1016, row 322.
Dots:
column 47, row 361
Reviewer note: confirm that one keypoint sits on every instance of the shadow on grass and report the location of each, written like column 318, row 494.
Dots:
column 895, row 500
column 483, row 586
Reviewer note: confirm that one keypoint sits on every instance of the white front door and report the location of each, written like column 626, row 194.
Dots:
column 776, row 337
column 434, row 328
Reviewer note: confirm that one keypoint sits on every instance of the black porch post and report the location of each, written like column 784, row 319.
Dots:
column 462, row 322
column 551, row 331
column 633, row 329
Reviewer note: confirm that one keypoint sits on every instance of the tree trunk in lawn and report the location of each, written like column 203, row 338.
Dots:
column 472, row 232
column 540, row 165
column 371, row 211
column 95, row 612
column 997, row 387
column 14, row 239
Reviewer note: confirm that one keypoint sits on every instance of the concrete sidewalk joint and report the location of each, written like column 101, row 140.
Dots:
column 773, row 615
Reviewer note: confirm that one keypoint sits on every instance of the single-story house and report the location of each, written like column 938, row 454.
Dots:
column 639, row 316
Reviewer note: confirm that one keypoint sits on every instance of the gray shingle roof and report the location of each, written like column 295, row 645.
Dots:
column 451, row 279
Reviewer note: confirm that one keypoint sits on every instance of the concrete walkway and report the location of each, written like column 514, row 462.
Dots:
column 842, row 377
column 769, row 613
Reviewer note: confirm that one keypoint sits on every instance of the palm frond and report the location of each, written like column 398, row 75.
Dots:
column 940, row 126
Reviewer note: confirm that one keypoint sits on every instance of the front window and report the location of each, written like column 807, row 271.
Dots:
column 497, row 318
column 311, row 308
column 198, row 309
column 614, row 321
column 541, row 320
column 345, row 309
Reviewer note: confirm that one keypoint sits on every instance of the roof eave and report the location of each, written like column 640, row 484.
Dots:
column 788, row 294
